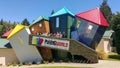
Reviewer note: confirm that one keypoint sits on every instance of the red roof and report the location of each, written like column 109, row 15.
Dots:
column 95, row 16
column 7, row 33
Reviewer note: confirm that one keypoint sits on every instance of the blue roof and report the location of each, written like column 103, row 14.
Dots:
column 39, row 19
column 62, row 11
column 4, row 43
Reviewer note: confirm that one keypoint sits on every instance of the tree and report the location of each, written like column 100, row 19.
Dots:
column 106, row 10
column 52, row 12
column 1, row 22
column 116, row 28
column 25, row 22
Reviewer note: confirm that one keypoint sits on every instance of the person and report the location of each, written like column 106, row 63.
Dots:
column 57, row 35
column 64, row 35
column 60, row 34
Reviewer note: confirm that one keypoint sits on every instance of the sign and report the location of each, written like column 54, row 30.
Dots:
column 51, row 43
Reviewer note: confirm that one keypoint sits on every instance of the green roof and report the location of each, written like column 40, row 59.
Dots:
column 62, row 11
column 108, row 34
column 4, row 43
column 39, row 19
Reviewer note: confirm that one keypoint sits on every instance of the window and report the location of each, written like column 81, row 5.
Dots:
column 40, row 25
column 32, row 29
column 78, row 23
column 20, row 40
column 89, row 28
column 57, row 22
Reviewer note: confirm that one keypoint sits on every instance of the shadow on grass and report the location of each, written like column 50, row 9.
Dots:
column 114, row 57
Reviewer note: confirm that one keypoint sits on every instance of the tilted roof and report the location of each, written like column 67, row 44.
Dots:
column 17, row 29
column 95, row 16
column 7, row 33
column 39, row 19
column 108, row 34
column 62, row 11
column 4, row 43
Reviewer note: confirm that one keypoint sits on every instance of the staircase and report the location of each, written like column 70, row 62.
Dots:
column 77, row 48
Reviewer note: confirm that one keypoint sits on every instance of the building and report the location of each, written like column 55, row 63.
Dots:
column 19, row 41
column 62, row 21
column 106, row 44
column 7, row 54
column 91, row 26
column 40, row 25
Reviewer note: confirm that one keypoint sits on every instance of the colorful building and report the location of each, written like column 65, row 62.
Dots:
column 19, row 41
column 91, row 26
column 40, row 25
column 62, row 21
column 87, row 27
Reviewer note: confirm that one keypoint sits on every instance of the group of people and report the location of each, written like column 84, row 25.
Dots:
column 56, row 35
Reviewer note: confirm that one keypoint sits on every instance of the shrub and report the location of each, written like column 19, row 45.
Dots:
column 20, row 64
column 8, row 64
column 38, row 62
column 14, row 63
column 45, row 62
column 102, row 55
column 29, row 63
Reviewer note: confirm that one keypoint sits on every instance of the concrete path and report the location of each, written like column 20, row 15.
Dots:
column 101, row 64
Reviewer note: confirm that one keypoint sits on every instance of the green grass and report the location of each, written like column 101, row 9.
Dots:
column 114, row 56
column 60, row 67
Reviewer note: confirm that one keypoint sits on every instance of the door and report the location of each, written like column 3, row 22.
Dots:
column 2, row 60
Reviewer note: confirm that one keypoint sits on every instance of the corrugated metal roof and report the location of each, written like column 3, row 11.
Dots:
column 62, row 11
column 108, row 34
column 39, row 19
column 94, row 16
column 7, row 33
column 4, row 43
column 17, row 29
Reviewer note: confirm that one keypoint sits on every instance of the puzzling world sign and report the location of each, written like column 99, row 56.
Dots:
column 51, row 43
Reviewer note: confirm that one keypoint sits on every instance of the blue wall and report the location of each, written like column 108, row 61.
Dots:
column 87, row 32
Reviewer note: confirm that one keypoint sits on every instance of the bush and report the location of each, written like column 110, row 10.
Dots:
column 102, row 55
column 45, row 62
column 28, row 63
column 8, row 64
column 20, row 64
column 38, row 62
column 14, row 63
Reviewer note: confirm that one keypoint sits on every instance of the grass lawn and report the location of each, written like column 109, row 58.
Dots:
column 114, row 56
column 60, row 67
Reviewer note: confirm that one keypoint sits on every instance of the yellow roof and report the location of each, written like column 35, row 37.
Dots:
column 16, row 30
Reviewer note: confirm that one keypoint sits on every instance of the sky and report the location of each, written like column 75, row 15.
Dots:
column 17, row 10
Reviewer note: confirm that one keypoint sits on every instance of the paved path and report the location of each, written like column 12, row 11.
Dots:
column 101, row 64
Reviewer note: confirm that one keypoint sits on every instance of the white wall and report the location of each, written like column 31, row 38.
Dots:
column 24, row 51
column 7, row 56
column 104, row 45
